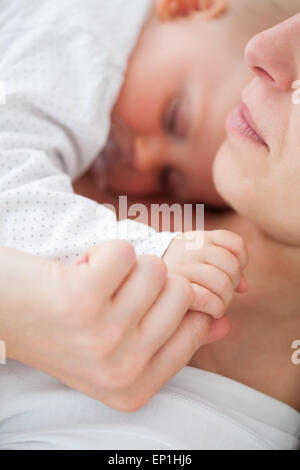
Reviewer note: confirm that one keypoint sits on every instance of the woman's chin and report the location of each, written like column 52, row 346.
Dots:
column 224, row 174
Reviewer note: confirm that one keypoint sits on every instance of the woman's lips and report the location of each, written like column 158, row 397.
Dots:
column 240, row 122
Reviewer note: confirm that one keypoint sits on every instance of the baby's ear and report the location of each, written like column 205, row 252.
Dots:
column 173, row 9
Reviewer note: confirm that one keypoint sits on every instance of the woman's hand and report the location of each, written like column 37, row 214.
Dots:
column 113, row 326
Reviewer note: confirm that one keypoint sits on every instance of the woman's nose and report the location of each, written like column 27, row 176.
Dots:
column 149, row 153
column 273, row 54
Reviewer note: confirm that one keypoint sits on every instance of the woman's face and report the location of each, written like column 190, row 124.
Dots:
column 257, row 169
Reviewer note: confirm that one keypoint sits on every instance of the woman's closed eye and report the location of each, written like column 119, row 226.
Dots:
column 176, row 121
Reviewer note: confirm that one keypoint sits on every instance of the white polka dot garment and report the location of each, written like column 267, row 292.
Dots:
column 62, row 63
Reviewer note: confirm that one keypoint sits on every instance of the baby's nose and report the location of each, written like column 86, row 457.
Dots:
column 149, row 154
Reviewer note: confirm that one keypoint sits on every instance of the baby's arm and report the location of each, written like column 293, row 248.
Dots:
column 63, row 71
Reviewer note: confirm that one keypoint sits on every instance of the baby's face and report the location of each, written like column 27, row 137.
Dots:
column 183, row 79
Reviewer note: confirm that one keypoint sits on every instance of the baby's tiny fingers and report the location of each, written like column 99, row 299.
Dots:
column 225, row 261
column 233, row 243
column 213, row 279
column 207, row 302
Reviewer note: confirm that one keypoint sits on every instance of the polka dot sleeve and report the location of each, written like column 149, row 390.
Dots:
column 62, row 64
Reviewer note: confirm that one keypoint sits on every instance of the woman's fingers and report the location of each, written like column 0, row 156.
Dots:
column 207, row 302
column 106, row 266
column 146, row 329
column 219, row 330
column 192, row 333
column 141, row 342
column 140, row 290
column 166, row 314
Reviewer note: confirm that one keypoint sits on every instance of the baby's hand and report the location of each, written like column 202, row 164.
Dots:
column 215, row 270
